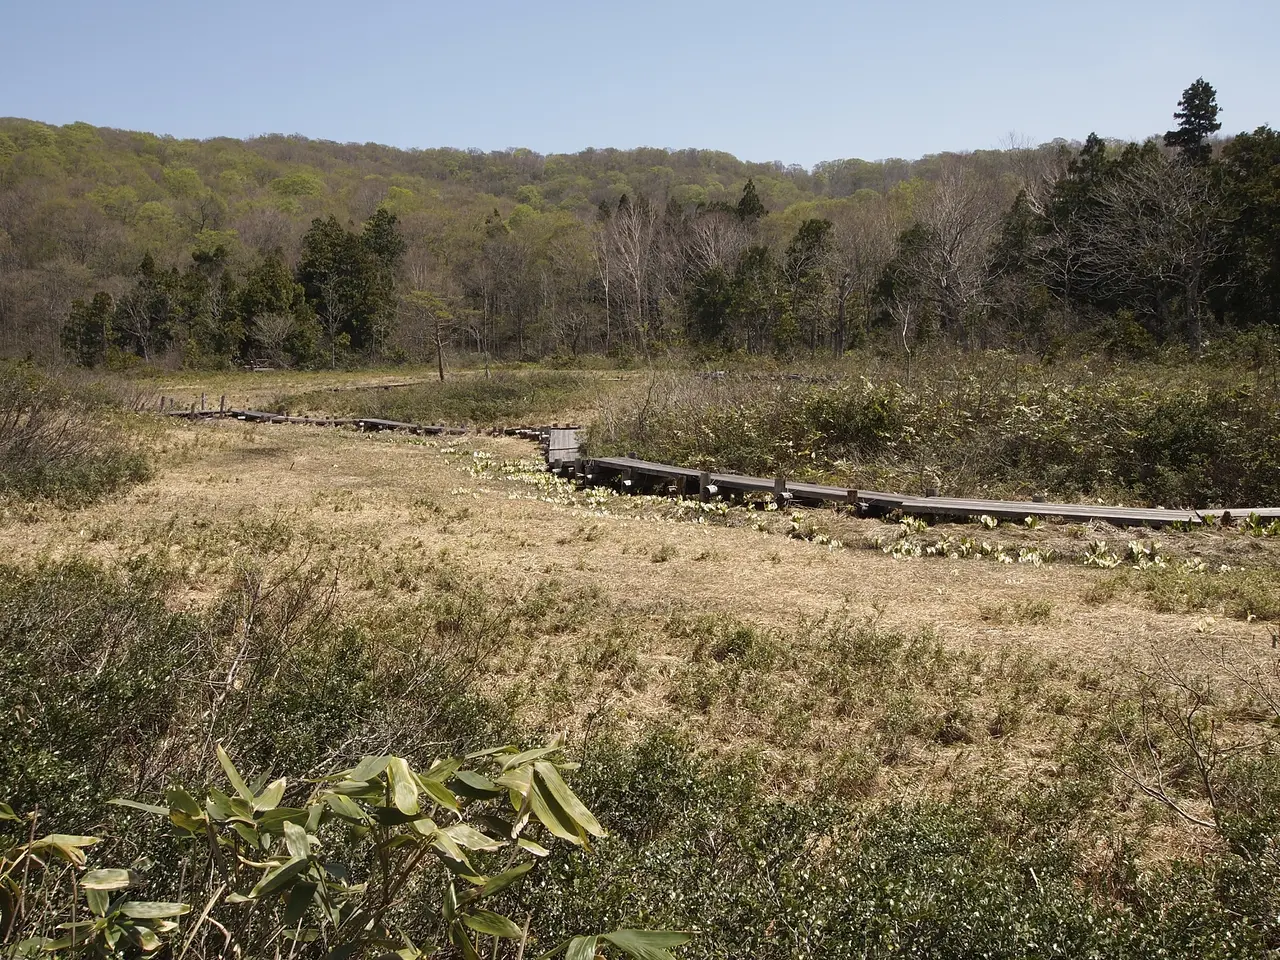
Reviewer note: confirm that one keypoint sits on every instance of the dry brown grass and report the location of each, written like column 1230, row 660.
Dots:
column 265, row 389
column 382, row 508
column 845, row 666
column 254, row 390
column 350, row 495
column 840, row 666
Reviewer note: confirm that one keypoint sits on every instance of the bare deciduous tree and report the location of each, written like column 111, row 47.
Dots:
column 1036, row 167
column 601, row 238
column 716, row 239
column 272, row 331
column 1173, row 732
column 864, row 237
column 428, row 319
column 1156, row 231
column 632, row 231
column 959, row 223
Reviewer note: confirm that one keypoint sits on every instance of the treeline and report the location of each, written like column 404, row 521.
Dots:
column 340, row 298
column 1129, row 246
column 116, row 245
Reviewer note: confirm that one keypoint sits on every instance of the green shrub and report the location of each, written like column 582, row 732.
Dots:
column 1237, row 593
column 990, row 875
column 91, row 673
column 107, row 692
column 372, row 857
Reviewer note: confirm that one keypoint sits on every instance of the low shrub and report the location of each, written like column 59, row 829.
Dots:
column 1201, row 438
column 54, row 444
column 1242, row 594
column 108, row 692
column 372, row 857
column 708, row 846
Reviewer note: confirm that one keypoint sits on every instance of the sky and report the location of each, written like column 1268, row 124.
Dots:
column 798, row 83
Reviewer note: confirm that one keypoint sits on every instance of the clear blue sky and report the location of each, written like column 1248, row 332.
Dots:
column 798, row 82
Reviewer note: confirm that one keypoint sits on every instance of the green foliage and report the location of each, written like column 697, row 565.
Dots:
column 107, row 689
column 1126, row 339
column 1197, row 117
column 114, row 925
column 997, row 877
column 279, row 322
column 758, row 306
column 349, row 278
column 87, row 334
column 111, row 694
column 806, row 271
column 1251, row 169
column 213, row 317
column 298, row 185
column 1243, row 594
column 750, row 206
column 472, row 823
column 711, row 304
column 69, row 737
column 628, row 252
column 146, row 317
column 107, row 692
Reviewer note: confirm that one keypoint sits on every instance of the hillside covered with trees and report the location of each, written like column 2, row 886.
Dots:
column 120, row 247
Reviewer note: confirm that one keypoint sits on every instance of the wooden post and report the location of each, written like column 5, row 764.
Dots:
column 222, row 406
column 704, row 486
column 202, row 403
column 780, row 490
column 192, row 414
column 851, row 498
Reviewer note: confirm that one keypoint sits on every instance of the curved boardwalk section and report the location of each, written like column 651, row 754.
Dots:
column 561, row 447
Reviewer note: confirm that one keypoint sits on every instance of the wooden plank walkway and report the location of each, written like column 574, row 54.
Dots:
column 1243, row 513
column 638, row 475
column 561, row 445
column 365, row 424
column 1020, row 509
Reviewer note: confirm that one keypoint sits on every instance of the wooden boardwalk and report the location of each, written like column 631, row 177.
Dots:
column 643, row 476
column 560, row 445
column 364, row 424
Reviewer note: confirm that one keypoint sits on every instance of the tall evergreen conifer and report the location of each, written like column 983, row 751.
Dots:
column 1197, row 117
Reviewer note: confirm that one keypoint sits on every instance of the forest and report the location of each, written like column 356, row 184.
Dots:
column 119, row 248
